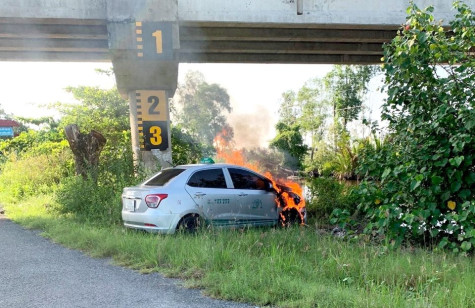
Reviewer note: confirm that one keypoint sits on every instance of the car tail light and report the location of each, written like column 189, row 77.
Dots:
column 153, row 201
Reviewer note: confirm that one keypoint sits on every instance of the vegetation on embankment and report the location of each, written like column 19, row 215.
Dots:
column 294, row 267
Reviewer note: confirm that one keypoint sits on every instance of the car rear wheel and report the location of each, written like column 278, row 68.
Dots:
column 189, row 223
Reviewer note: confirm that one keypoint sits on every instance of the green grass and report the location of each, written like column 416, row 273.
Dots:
column 285, row 268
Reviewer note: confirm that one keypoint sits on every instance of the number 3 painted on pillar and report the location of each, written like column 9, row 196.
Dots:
column 156, row 138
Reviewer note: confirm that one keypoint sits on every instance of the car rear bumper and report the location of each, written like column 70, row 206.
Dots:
column 156, row 223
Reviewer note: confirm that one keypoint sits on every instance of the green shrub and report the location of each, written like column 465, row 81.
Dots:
column 424, row 180
column 30, row 175
column 33, row 143
column 326, row 194
column 88, row 200
column 99, row 200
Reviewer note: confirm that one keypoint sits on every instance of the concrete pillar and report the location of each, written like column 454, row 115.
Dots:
column 143, row 40
column 151, row 159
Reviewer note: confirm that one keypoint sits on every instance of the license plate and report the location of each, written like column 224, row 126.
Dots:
column 129, row 204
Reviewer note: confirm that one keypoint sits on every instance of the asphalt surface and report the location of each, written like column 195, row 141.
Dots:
column 34, row 272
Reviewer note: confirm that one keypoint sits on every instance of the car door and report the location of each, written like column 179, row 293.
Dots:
column 209, row 190
column 256, row 203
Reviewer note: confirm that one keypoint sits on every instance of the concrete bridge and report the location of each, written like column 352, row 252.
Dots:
column 146, row 39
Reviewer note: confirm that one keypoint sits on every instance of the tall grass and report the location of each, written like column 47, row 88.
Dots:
column 286, row 268
column 31, row 175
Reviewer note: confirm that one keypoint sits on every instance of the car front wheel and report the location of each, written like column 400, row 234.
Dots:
column 290, row 218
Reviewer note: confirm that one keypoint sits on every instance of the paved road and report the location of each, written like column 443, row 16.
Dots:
column 35, row 272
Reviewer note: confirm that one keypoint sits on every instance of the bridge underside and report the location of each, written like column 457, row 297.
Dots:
column 87, row 40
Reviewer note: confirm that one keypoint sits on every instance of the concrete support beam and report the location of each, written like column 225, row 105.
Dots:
column 78, row 9
column 323, row 12
column 200, row 47
column 66, row 45
column 53, row 31
column 280, row 58
column 54, row 56
column 284, row 33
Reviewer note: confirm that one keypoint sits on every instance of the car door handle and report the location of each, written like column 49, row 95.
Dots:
column 200, row 194
column 242, row 195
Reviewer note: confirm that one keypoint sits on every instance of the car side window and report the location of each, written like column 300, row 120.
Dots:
column 243, row 179
column 210, row 178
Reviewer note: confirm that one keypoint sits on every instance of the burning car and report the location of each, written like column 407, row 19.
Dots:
column 186, row 196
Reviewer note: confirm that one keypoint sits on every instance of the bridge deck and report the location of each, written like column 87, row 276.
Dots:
column 200, row 42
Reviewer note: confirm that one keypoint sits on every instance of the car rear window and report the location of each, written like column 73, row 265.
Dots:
column 164, row 177
column 211, row 178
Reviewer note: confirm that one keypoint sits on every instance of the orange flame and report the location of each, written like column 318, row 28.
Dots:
column 285, row 189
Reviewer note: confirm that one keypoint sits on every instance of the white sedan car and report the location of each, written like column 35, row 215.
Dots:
column 186, row 196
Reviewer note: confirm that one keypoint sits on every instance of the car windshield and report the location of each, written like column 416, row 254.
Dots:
column 163, row 177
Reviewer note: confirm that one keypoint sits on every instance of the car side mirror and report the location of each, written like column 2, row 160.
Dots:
column 269, row 187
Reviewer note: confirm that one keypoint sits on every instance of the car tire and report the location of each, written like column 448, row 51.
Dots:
column 189, row 224
column 292, row 218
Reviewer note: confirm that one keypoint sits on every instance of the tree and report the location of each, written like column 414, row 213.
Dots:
column 306, row 108
column 199, row 108
column 313, row 105
column 427, row 181
column 86, row 149
column 347, row 85
column 290, row 141
column 101, row 110
column 288, row 112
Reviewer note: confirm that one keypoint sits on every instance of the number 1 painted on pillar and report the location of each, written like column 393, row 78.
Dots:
column 158, row 40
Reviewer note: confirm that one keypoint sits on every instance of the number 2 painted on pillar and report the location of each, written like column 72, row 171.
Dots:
column 153, row 108
column 158, row 40
column 156, row 138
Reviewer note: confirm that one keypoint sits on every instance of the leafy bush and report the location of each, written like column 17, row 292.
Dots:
column 99, row 200
column 32, row 143
column 326, row 194
column 425, row 191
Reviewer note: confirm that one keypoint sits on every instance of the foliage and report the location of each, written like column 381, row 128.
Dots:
column 347, row 85
column 326, row 194
column 185, row 149
column 50, row 166
column 199, row 108
column 373, row 151
column 342, row 90
column 21, row 177
column 426, row 182
column 32, row 142
column 101, row 110
column 306, row 108
column 290, row 141
column 345, row 162
column 98, row 200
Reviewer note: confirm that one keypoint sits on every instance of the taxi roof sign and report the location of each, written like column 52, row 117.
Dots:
column 207, row 160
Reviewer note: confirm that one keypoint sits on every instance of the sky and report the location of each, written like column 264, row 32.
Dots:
column 255, row 90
